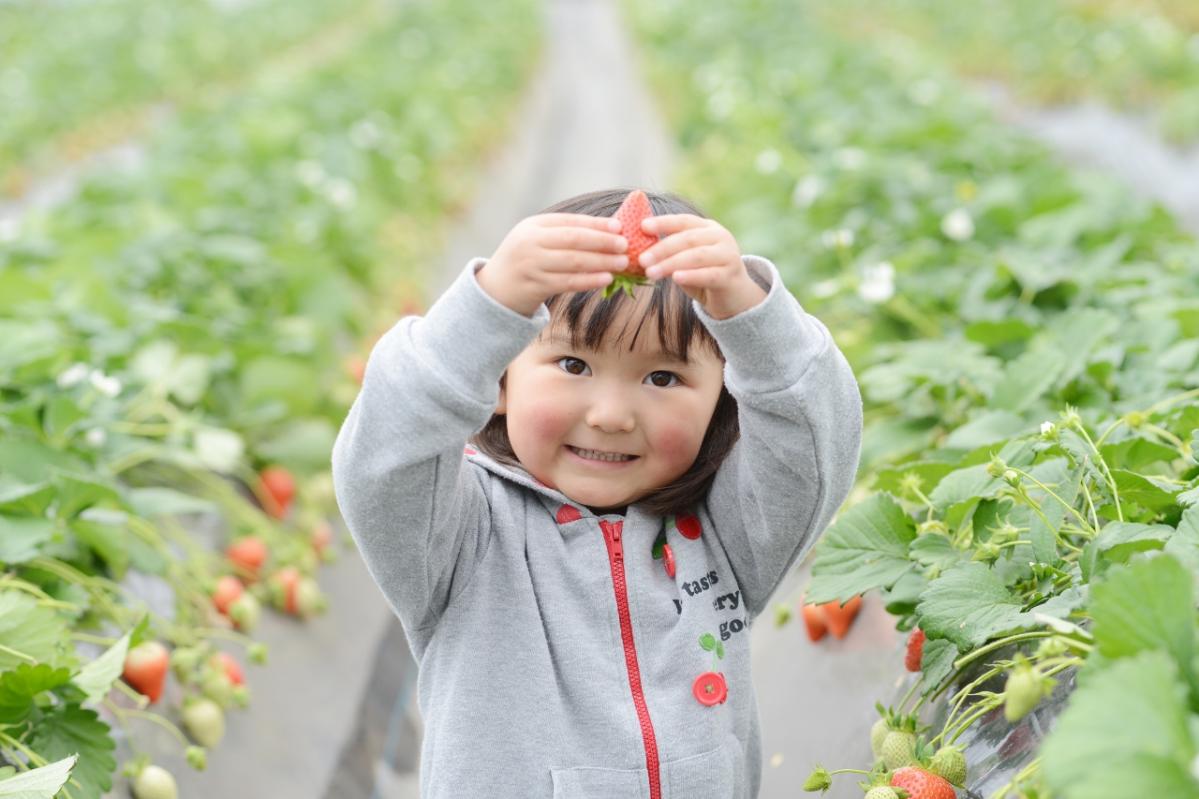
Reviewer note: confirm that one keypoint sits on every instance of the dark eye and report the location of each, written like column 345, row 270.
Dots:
column 569, row 365
column 669, row 376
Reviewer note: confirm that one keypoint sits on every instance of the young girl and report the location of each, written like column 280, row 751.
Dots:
column 639, row 474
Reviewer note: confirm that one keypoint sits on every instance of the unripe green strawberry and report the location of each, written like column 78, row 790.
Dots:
column 1022, row 693
column 881, row 792
column 197, row 757
column 245, row 612
column 155, row 782
column 205, row 722
column 950, row 763
column 898, row 749
column 878, row 734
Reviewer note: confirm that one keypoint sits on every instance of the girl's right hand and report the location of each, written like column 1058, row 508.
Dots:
column 548, row 254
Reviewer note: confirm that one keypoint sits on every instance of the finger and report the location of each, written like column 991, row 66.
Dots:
column 666, row 224
column 693, row 258
column 577, row 238
column 582, row 261
column 672, row 245
column 583, row 281
column 706, row 278
column 578, row 220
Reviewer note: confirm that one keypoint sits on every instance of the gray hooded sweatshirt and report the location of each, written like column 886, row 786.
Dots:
column 567, row 655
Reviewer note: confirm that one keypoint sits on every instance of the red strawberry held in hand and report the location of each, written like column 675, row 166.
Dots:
column 279, row 487
column 922, row 784
column 915, row 651
column 146, row 669
column 632, row 211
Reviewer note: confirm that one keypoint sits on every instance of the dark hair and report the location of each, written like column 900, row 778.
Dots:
column 589, row 319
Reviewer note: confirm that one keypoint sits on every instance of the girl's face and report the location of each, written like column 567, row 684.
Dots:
column 563, row 404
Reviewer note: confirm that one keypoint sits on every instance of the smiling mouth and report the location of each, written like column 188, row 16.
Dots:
column 599, row 455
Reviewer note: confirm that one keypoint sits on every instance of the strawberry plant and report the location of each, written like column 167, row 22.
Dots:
column 1024, row 337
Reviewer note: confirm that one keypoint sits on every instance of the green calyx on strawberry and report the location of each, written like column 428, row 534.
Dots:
column 1025, row 689
column 146, row 667
column 632, row 211
column 922, row 784
column 205, row 722
column 950, row 762
column 155, row 782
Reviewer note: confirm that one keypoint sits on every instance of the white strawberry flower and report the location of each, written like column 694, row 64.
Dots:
column 878, row 283
column 807, row 191
column 768, row 161
column 106, row 385
column 841, row 237
column 96, row 437
column 341, row 193
column 1048, row 429
column 958, row 225
column 365, row 134
column 73, row 375
column 310, row 173
column 850, row 158
column 824, row 288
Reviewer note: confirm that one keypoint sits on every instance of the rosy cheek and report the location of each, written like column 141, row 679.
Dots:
column 548, row 422
column 676, row 444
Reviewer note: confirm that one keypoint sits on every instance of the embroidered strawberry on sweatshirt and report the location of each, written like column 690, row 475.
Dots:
column 688, row 525
column 632, row 211
column 662, row 551
column 710, row 688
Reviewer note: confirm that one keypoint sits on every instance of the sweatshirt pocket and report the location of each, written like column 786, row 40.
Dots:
column 709, row 775
column 600, row 783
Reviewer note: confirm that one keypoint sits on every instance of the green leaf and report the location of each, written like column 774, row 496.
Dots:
column 25, row 499
column 1120, row 540
column 77, row 492
column 1136, row 453
column 935, row 551
column 96, row 678
column 1027, row 378
column 69, row 729
column 108, row 541
column 936, row 662
column 19, row 687
column 1147, row 605
column 866, row 548
column 963, row 485
column 969, row 604
column 1144, row 490
column 21, row 538
column 167, row 502
column 31, row 630
column 1123, row 734
column 39, row 783
column 1184, row 544
column 707, row 641
column 303, row 443
column 988, row 427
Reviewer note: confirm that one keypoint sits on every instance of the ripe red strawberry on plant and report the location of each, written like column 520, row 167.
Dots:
column 230, row 666
column 146, row 668
column 632, row 211
column 915, row 652
column 922, row 784
column 228, row 590
column 247, row 554
column 840, row 617
column 813, row 619
column 279, row 487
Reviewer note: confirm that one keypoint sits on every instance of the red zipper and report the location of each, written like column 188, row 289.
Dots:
column 612, row 531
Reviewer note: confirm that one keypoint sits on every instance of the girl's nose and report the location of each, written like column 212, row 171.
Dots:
column 611, row 411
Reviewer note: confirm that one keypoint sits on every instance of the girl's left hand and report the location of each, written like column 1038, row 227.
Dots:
column 703, row 258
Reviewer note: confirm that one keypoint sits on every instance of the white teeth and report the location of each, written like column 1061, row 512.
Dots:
column 596, row 455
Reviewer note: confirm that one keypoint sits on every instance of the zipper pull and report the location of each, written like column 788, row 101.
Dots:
column 613, row 531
